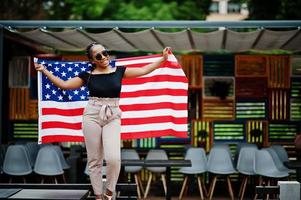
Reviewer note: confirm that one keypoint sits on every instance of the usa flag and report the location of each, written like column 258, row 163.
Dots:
column 153, row 105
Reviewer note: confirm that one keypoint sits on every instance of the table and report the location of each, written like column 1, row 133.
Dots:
column 294, row 164
column 50, row 194
column 159, row 163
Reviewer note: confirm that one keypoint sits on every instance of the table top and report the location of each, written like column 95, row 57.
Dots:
column 50, row 194
column 157, row 163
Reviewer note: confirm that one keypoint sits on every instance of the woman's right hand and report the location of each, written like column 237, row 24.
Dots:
column 39, row 67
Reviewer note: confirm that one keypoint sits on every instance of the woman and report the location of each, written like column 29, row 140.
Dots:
column 101, row 117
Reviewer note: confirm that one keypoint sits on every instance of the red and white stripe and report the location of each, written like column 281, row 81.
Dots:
column 153, row 105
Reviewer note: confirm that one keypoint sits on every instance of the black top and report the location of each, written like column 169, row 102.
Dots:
column 104, row 85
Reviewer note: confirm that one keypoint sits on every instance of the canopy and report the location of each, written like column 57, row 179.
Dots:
column 75, row 37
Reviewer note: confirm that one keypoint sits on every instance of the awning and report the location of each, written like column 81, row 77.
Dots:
column 151, row 39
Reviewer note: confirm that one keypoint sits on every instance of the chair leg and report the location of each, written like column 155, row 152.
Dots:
column 204, row 187
column 24, row 180
column 42, row 182
column 55, row 180
column 64, row 178
column 243, row 187
column 200, row 187
column 140, row 183
column 137, row 184
column 268, row 195
column 164, row 183
column 212, row 186
column 183, row 187
column 230, row 188
column 10, row 180
column 260, row 183
column 148, row 184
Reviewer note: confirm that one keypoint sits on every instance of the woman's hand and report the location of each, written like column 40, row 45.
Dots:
column 165, row 52
column 39, row 67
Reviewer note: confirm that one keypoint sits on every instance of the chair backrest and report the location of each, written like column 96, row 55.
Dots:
column 130, row 154
column 279, row 164
column 16, row 161
column 33, row 149
column 156, row 154
column 220, row 161
column 48, row 162
column 61, row 156
column 246, row 159
column 265, row 165
column 198, row 159
column 281, row 152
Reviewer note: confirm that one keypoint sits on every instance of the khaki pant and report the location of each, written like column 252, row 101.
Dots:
column 101, row 128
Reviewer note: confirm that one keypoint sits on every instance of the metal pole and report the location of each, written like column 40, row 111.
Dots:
column 1, row 80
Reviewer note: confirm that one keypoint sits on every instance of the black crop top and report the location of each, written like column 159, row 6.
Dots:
column 104, row 85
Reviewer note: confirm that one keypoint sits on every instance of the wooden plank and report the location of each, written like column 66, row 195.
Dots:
column 251, row 66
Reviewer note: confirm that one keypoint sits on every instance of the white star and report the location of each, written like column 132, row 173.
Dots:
column 64, row 92
column 56, row 63
column 76, row 65
column 60, row 97
column 89, row 64
column 51, row 72
column 83, row 63
column 75, row 92
column 83, row 69
column 82, row 97
column 47, row 86
column 69, row 77
column 49, row 65
column 43, row 62
column 88, row 93
column 53, row 92
column 47, row 96
column 70, row 63
column 63, row 74
column 69, row 69
column 56, row 69
column 63, row 65
column 82, row 88
column 69, row 97
column 76, row 73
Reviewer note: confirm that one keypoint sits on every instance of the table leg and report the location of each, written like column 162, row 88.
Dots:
column 168, row 192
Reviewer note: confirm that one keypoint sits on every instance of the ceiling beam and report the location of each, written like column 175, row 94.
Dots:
column 148, row 24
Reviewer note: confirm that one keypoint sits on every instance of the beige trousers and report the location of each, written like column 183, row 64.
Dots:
column 101, row 128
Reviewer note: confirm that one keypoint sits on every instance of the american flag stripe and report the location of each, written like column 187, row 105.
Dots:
column 153, row 105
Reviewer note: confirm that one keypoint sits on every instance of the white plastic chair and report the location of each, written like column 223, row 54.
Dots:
column 198, row 159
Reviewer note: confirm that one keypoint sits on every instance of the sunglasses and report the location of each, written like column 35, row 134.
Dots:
column 102, row 54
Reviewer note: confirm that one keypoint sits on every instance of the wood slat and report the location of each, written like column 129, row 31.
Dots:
column 279, row 104
column 279, row 72
column 193, row 68
column 251, row 132
column 251, row 66
column 251, row 87
column 200, row 138
column 19, row 103
column 216, row 109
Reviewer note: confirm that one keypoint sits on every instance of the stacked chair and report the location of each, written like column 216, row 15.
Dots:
column 132, row 154
column 17, row 162
column 198, row 167
column 220, row 163
column 245, row 166
column 266, row 167
column 156, row 154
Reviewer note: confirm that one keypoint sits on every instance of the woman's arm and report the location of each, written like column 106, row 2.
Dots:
column 135, row 72
column 72, row 83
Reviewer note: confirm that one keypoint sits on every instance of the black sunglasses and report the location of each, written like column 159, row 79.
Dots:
column 100, row 55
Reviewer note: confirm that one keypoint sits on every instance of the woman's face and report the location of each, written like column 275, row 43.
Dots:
column 100, row 55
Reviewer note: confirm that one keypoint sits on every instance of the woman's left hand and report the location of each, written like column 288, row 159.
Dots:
column 165, row 52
